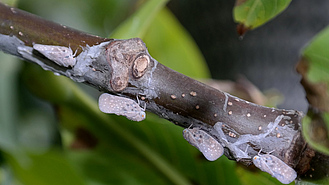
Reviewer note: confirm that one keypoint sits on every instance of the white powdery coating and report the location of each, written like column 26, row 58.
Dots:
column 236, row 151
column 256, row 138
column 61, row 55
column 210, row 148
column 121, row 106
column 246, row 138
column 275, row 167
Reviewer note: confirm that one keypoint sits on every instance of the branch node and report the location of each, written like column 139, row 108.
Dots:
column 121, row 55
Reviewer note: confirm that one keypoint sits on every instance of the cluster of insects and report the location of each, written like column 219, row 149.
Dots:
column 212, row 150
column 210, row 147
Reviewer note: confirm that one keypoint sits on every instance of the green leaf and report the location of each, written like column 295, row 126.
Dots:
column 254, row 13
column 9, row 71
column 313, row 67
column 9, row 2
column 51, row 168
column 170, row 44
column 106, row 166
column 256, row 177
column 137, row 24
column 318, row 57
column 97, row 17
column 313, row 131
column 126, row 162
column 315, row 71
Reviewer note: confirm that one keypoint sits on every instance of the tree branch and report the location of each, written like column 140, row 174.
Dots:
column 125, row 68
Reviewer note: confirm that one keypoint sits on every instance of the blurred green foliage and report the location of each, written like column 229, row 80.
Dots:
column 318, row 56
column 316, row 59
column 63, row 138
column 315, row 73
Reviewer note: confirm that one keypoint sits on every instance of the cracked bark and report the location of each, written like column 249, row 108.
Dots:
column 125, row 67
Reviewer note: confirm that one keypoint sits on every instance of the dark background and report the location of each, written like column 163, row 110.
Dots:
column 267, row 56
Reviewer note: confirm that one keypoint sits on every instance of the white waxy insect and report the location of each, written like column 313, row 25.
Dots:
column 61, row 55
column 275, row 167
column 121, row 106
column 207, row 145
